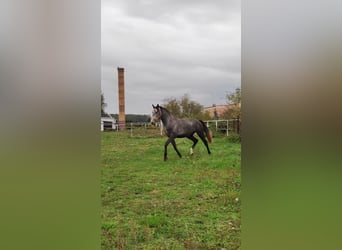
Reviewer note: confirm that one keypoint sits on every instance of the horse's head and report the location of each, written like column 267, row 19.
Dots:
column 156, row 114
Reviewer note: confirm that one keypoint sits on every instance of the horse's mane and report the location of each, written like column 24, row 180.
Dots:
column 167, row 111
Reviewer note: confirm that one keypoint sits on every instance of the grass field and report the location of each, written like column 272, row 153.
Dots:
column 188, row 203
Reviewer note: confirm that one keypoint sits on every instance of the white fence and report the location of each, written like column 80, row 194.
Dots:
column 224, row 127
column 144, row 128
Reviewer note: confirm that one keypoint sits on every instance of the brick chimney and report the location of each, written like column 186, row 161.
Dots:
column 121, row 87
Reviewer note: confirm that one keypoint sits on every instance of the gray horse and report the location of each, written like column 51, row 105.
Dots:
column 180, row 128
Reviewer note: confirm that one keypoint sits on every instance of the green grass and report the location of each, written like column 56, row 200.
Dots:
column 188, row 203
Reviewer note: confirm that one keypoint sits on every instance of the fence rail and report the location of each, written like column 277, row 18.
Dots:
column 225, row 126
column 220, row 127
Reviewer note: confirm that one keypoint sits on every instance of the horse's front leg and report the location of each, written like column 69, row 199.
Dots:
column 175, row 147
column 172, row 140
column 165, row 148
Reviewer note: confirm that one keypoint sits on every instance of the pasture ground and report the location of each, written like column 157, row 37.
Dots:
column 188, row 203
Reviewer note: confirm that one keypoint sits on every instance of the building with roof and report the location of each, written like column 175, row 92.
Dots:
column 108, row 122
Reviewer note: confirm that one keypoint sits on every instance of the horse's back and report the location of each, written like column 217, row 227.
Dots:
column 185, row 127
column 190, row 123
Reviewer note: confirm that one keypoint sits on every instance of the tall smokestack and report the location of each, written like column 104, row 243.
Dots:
column 121, row 82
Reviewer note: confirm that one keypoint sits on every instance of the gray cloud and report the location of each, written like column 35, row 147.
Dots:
column 169, row 48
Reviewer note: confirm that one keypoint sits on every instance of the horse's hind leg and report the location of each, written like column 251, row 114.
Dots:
column 201, row 135
column 193, row 138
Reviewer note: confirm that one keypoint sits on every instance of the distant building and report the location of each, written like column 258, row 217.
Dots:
column 216, row 111
column 108, row 122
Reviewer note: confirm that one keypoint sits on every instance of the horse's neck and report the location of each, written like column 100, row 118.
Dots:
column 166, row 118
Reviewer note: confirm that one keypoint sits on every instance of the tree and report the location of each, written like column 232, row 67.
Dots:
column 190, row 108
column 235, row 97
column 103, row 105
column 173, row 106
column 184, row 107
column 204, row 116
column 234, row 105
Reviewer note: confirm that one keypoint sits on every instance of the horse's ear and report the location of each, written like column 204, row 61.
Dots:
column 153, row 106
column 158, row 106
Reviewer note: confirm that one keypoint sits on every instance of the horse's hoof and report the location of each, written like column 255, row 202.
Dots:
column 191, row 151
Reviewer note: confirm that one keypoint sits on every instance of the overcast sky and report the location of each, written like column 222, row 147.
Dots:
column 169, row 48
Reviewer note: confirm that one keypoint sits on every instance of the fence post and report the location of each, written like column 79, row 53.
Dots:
column 131, row 130
column 227, row 127
column 234, row 125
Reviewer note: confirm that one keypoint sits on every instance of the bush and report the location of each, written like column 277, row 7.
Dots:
column 234, row 138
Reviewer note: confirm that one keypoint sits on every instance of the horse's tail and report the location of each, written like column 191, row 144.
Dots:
column 207, row 132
